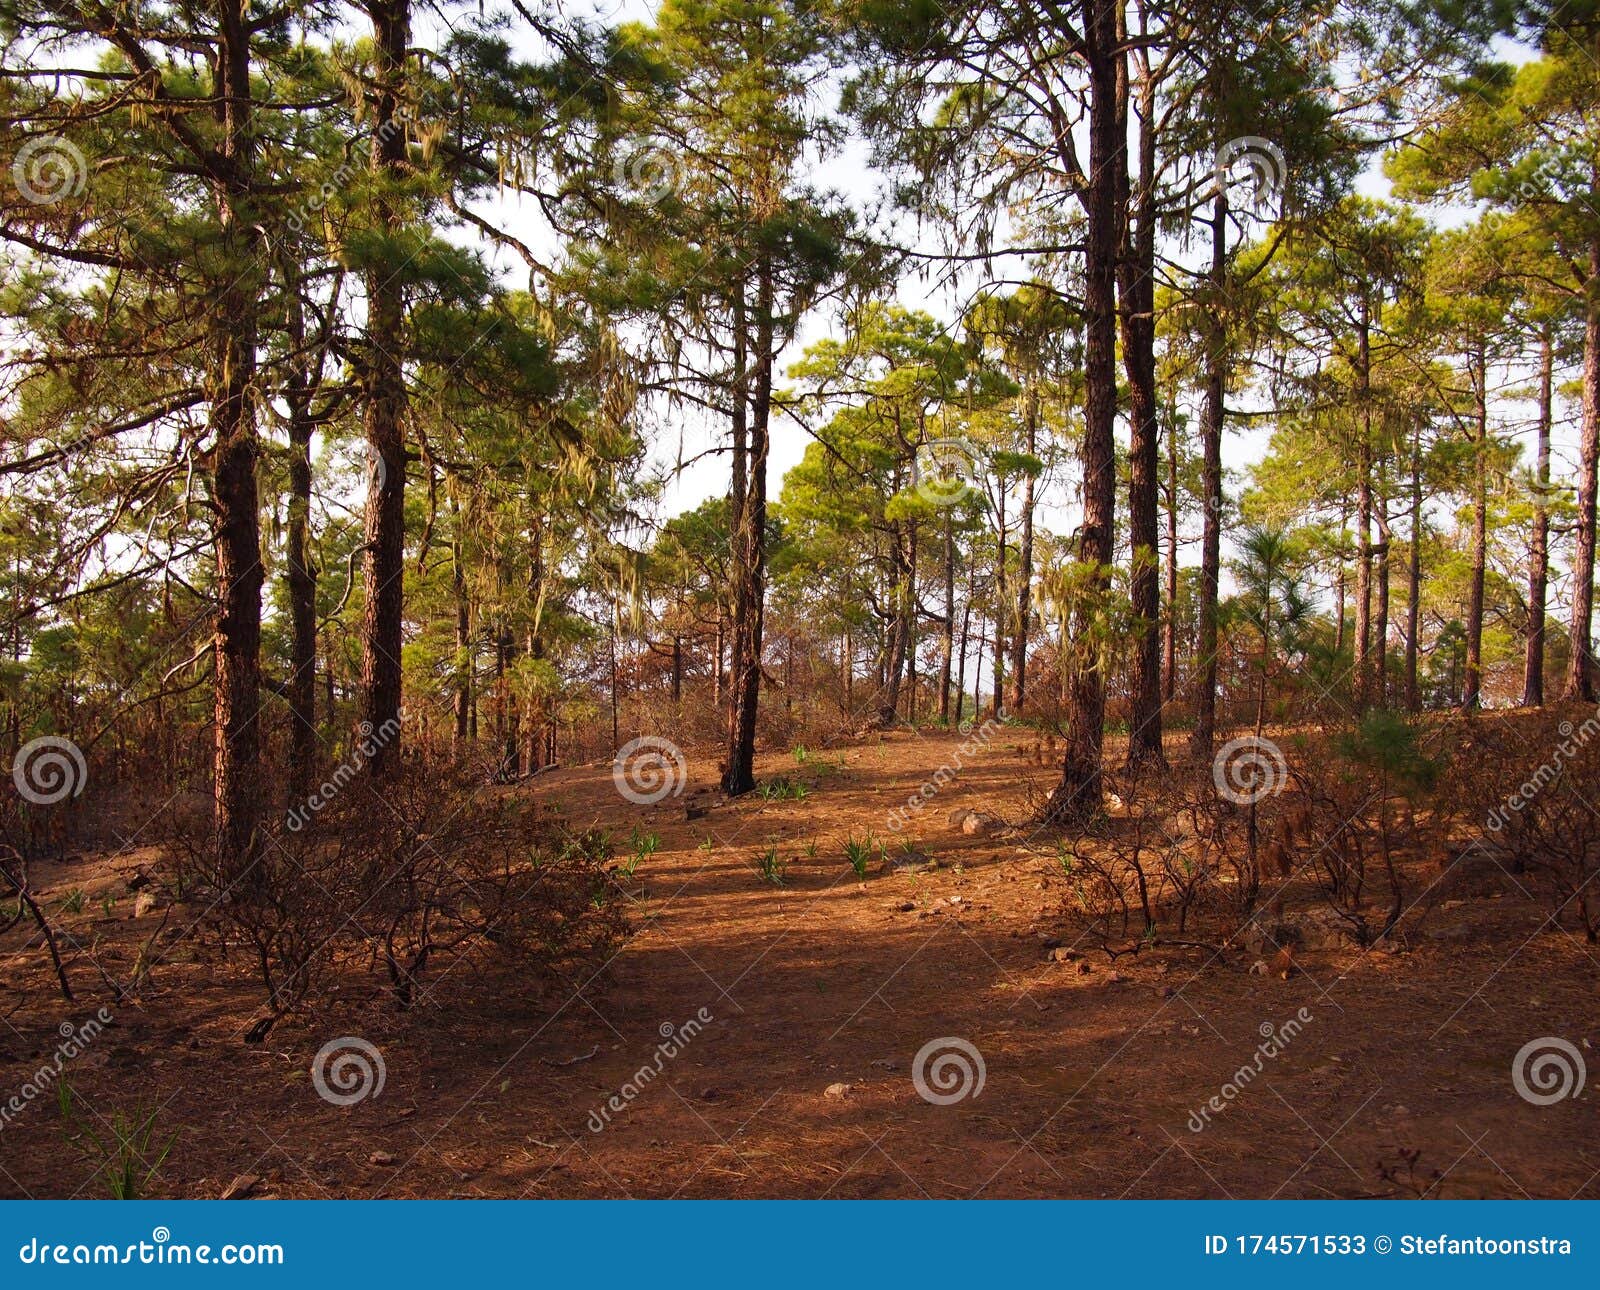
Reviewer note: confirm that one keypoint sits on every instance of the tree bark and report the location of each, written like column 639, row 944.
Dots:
column 1169, row 670
column 1580, row 663
column 1363, row 633
column 236, row 756
column 383, row 381
column 1414, row 578
column 300, row 572
column 1019, row 643
column 738, row 775
column 1472, row 686
column 1136, row 287
column 1539, row 561
column 947, row 644
column 1079, row 794
column 1212, row 415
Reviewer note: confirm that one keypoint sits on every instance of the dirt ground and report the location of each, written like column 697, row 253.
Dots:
column 795, row 1014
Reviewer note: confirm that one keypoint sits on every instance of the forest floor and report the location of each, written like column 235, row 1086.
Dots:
column 809, row 1004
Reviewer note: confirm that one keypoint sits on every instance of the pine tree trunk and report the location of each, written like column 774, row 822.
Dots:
column 1580, row 663
column 1136, row 286
column 948, row 627
column 1212, row 415
column 1001, row 598
column 1414, row 579
column 1363, row 633
column 237, row 748
column 1380, row 629
column 738, row 775
column 385, row 395
column 463, row 695
column 1472, row 687
column 1078, row 796
column 1539, row 561
column 300, row 576
column 1019, row 641
column 1169, row 671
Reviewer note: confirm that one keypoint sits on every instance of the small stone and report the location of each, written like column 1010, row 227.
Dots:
column 905, row 906
column 146, row 902
column 381, row 1158
column 1061, row 954
column 241, row 1187
column 837, row 1091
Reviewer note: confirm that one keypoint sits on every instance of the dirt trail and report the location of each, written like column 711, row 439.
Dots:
column 795, row 1014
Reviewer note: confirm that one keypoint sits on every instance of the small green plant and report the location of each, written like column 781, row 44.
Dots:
column 799, row 754
column 707, row 845
column 782, row 788
column 771, row 866
column 811, row 849
column 126, row 1151
column 859, row 853
column 644, row 845
column 108, row 902
column 72, row 903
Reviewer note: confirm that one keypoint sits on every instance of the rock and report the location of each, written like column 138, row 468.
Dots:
column 1455, row 932
column 905, row 907
column 958, row 816
column 381, row 1158
column 981, row 824
column 1061, row 954
column 147, row 902
column 241, row 1187
column 1314, row 929
column 838, row 1092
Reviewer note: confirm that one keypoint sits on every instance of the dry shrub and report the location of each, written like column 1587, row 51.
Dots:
column 425, row 876
column 1526, row 795
column 1351, row 819
column 1170, row 851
